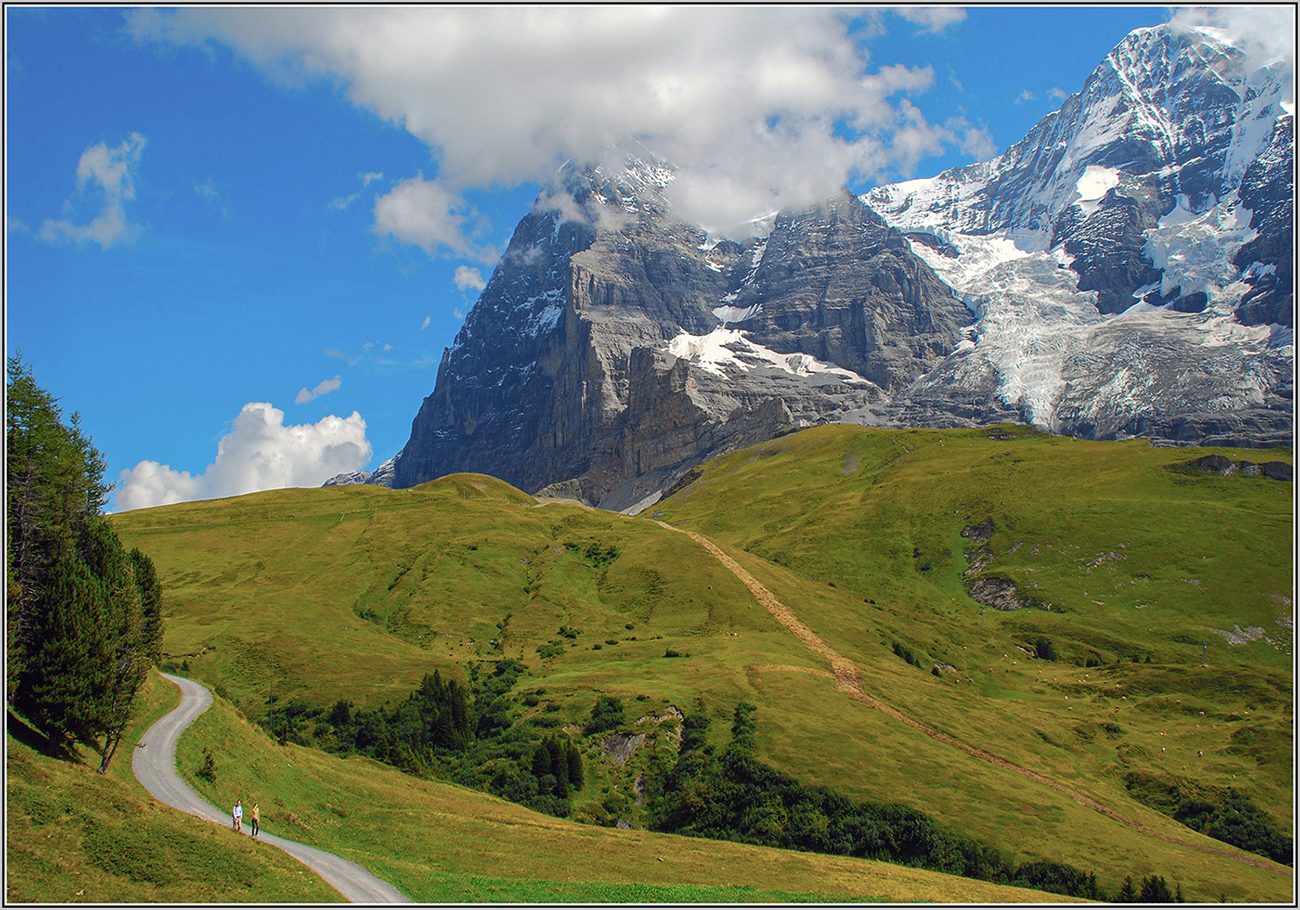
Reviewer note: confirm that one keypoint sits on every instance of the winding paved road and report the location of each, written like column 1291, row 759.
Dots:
column 154, row 766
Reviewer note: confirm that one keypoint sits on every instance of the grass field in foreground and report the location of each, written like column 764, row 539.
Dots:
column 75, row 836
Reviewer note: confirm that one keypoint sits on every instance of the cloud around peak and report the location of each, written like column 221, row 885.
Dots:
column 1265, row 33
column 757, row 108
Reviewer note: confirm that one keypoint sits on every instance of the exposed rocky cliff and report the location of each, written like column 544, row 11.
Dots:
column 613, row 346
column 1125, row 270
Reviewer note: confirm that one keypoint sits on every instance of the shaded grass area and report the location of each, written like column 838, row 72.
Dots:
column 1225, row 815
column 75, row 836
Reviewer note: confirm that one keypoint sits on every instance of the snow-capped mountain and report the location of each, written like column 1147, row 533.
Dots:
column 1131, row 258
column 1124, row 270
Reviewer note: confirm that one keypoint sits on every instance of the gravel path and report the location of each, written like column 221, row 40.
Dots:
column 847, row 681
column 154, row 765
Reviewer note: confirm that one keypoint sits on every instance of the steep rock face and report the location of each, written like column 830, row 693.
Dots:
column 599, row 354
column 1107, row 247
column 839, row 284
column 1268, row 261
column 539, row 372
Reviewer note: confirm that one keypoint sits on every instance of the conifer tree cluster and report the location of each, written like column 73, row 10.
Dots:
column 84, row 615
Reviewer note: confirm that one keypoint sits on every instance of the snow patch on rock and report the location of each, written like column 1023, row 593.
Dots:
column 726, row 349
column 1195, row 254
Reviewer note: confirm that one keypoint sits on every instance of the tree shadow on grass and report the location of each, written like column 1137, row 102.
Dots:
column 29, row 736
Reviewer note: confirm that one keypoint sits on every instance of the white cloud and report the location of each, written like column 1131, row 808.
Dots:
column 342, row 202
column 259, row 453
column 976, row 141
column 326, row 386
column 1025, row 95
column 744, row 101
column 152, row 484
column 1265, row 33
column 915, row 139
column 1056, row 93
column 112, row 173
column 467, row 277
column 424, row 325
column 933, row 18
column 209, row 191
column 427, row 214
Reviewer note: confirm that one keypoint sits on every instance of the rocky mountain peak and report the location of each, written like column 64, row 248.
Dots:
column 1123, row 270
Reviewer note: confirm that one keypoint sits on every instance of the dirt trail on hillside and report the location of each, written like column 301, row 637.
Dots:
column 847, row 681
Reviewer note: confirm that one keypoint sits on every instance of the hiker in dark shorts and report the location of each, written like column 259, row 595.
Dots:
column 254, row 819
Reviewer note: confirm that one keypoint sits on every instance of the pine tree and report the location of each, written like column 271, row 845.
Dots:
column 575, row 765
column 1155, row 891
column 85, row 618
column 1127, row 893
column 59, row 690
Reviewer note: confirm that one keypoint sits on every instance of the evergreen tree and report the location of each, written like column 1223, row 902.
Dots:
column 1155, row 891
column 84, row 616
column 606, row 715
column 1127, row 894
column 59, row 689
column 575, row 765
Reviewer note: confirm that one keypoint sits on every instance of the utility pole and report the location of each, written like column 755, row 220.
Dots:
column 1203, row 644
column 270, row 718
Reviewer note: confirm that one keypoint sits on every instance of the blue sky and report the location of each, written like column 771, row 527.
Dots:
column 216, row 213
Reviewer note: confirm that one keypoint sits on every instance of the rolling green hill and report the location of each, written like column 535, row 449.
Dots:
column 73, row 836
column 1127, row 566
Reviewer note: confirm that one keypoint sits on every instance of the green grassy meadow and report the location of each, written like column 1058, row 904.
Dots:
column 74, row 836
column 357, row 592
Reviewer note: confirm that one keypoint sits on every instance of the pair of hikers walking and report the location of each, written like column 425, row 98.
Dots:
column 237, row 818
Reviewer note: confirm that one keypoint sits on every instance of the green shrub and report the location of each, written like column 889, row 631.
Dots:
column 208, row 767
column 606, row 715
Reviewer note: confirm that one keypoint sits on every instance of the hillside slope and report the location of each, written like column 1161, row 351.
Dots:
column 358, row 591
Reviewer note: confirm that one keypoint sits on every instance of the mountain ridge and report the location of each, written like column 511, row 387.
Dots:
column 1124, row 270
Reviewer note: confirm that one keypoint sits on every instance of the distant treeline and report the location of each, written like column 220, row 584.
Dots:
column 83, row 616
